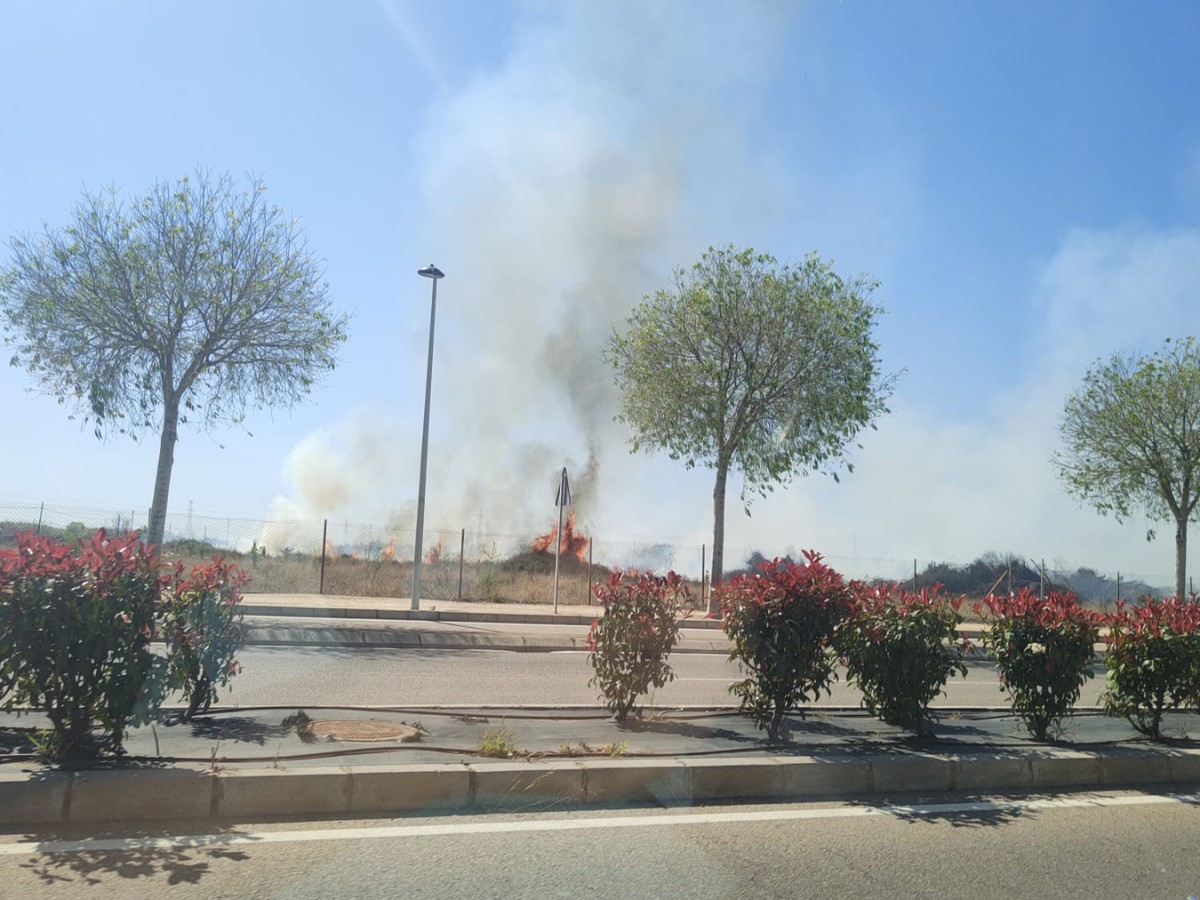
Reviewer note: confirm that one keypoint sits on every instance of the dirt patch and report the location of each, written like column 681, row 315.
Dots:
column 363, row 730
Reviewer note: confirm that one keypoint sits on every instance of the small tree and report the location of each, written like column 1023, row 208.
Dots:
column 202, row 628
column 1043, row 647
column 629, row 644
column 1131, row 436
column 781, row 623
column 1153, row 661
column 900, row 650
column 192, row 303
column 76, row 624
column 745, row 365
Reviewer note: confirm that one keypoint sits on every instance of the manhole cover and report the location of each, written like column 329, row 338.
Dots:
column 363, row 730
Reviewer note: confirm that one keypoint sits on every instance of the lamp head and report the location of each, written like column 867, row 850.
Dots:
column 431, row 271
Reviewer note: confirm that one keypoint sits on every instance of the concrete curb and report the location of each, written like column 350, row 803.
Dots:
column 48, row 798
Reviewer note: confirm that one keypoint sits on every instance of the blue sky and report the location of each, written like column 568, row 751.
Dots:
column 1022, row 178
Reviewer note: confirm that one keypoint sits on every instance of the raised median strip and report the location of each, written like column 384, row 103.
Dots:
column 437, row 636
column 41, row 798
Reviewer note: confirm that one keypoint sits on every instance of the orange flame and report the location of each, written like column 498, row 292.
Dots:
column 434, row 554
column 388, row 552
column 573, row 543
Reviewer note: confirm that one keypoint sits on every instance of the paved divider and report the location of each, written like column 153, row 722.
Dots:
column 49, row 798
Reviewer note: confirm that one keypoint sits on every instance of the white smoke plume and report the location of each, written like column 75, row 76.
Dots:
column 557, row 195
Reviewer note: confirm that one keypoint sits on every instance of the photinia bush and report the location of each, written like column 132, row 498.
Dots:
column 202, row 627
column 900, row 649
column 1044, row 650
column 75, row 631
column 628, row 645
column 1153, row 658
column 781, row 622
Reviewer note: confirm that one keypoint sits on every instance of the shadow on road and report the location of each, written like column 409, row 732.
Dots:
column 148, row 856
column 969, row 812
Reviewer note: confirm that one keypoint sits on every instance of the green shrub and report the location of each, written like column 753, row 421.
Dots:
column 781, row 623
column 75, row 631
column 900, row 649
column 629, row 644
column 1153, row 658
column 202, row 626
column 1044, row 650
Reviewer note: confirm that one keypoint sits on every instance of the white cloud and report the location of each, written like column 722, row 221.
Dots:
column 938, row 490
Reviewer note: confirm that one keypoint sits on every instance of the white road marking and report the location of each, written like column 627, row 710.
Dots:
column 583, row 824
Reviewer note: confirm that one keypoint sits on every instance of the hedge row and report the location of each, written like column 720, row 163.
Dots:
column 76, row 626
column 792, row 624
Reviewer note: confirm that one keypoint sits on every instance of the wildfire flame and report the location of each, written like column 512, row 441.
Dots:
column 388, row 552
column 573, row 543
column 434, row 553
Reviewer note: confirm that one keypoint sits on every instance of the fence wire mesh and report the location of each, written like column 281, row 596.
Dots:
column 376, row 560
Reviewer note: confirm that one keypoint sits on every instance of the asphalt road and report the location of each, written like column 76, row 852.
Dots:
column 1086, row 846
column 335, row 676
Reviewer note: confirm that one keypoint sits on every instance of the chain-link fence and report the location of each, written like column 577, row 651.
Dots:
column 373, row 560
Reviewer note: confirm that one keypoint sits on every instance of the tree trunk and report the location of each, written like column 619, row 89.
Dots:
column 162, row 478
column 1181, row 524
column 718, row 554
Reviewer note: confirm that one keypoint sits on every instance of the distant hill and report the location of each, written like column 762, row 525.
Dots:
column 990, row 572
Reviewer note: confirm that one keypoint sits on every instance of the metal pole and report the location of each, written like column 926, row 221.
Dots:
column 557, row 548
column 1118, row 585
column 324, row 544
column 433, row 273
column 591, row 544
column 41, row 510
column 703, row 567
column 914, row 575
column 1042, row 581
column 462, row 546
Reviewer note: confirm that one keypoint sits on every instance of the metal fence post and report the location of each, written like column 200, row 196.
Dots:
column 591, row 544
column 324, row 542
column 462, row 547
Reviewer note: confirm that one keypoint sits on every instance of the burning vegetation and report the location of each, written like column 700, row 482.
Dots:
column 539, row 558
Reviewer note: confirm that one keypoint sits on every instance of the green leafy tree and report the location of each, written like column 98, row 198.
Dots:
column 191, row 303
column 747, row 365
column 1131, row 440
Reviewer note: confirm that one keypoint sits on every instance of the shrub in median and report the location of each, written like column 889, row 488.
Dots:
column 628, row 645
column 1153, row 658
column 900, row 649
column 781, row 622
column 1044, row 650
column 202, row 627
column 75, row 631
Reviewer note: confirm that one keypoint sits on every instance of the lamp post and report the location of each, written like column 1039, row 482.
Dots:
column 433, row 273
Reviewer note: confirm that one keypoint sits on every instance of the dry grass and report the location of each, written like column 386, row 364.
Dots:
column 492, row 582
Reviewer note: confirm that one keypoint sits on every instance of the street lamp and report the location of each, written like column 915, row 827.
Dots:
column 433, row 273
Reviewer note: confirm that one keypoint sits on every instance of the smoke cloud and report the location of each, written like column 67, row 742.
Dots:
column 557, row 196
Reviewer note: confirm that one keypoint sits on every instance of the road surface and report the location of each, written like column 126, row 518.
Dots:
column 1075, row 846
column 333, row 676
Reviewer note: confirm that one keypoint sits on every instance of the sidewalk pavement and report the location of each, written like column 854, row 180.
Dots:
column 240, row 764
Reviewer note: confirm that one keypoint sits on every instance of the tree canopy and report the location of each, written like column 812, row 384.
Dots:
column 747, row 365
column 1131, row 440
column 192, row 303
